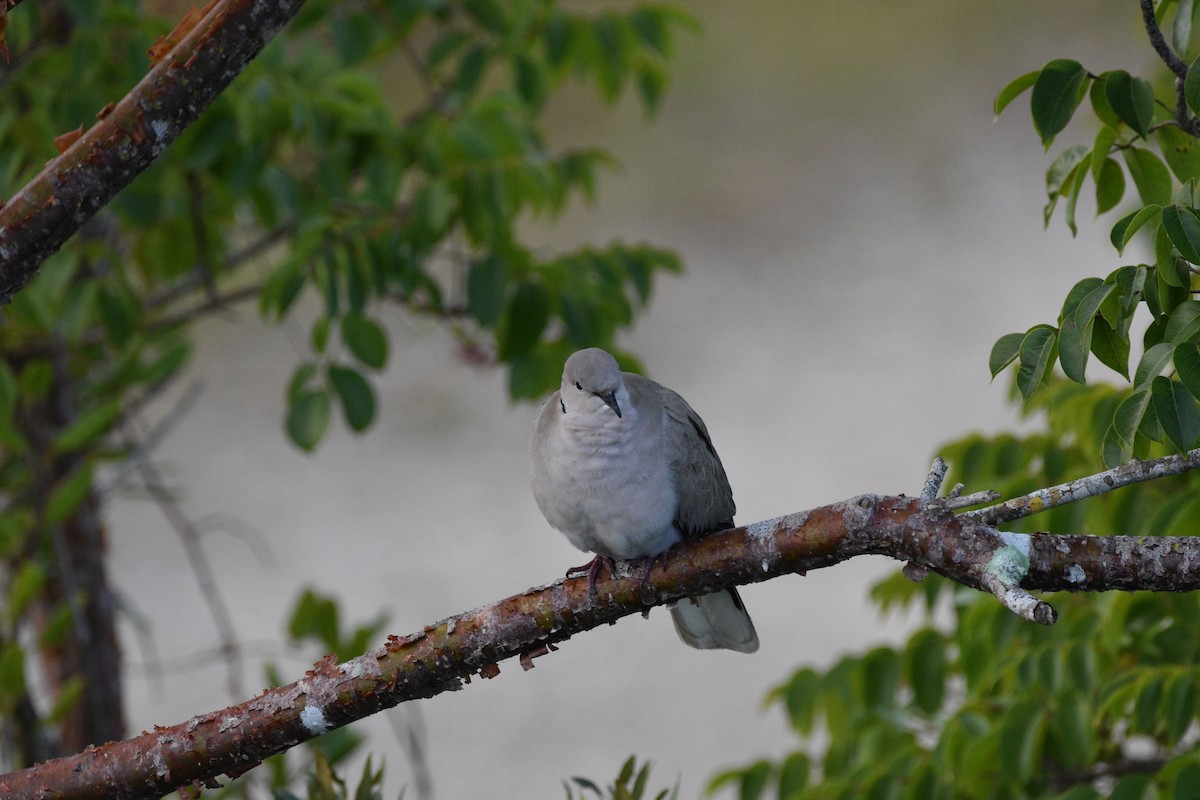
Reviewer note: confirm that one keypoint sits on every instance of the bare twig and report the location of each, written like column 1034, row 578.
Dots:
column 190, row 536
column 1124, row 475
column 934, row 480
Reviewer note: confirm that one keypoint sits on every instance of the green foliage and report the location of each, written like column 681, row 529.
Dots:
column 631, row 783
column 1161, row 155
column 1102, row 704
column 375, row 159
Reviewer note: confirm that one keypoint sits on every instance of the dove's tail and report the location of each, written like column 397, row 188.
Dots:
column 715, row 621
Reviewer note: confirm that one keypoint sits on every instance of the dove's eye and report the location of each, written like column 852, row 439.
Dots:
column 577, row 386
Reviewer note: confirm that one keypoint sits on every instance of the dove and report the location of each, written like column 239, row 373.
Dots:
column 625, row 469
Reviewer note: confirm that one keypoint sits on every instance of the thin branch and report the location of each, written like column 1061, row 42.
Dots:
column 1159, row 42
column 1124, row 475
column 934, row 480
column 189, row 536
column 72, row 187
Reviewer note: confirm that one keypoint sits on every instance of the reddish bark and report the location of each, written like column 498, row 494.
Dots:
column 129, row 137
column 524, row 625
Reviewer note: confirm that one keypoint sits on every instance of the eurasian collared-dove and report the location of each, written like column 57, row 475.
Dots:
column 625, row 468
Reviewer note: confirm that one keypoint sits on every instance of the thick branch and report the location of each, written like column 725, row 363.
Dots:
column 527, row 625
column 127, row 139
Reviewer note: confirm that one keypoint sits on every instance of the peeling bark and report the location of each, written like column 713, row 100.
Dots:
column 127, row 138
column 444, row 655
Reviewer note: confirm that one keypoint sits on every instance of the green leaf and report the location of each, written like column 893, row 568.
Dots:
column 754, row 780
column 315, row 617
column 319, row 337
column 1184, row 324
column 528, row 314
column 1187, row 366
column 1179, row 705
column 1100, row 104
column 366, row 339
column 308, row 418
column 1113, row 452
column 1101, row 149
column 1004, row 352
column 1110, row 186
column 1127, row 226
column 1037, row 354
column 925, row 665
column 1177, row 412
column 793, row 774
column 1181, row 151
column 488, row 13
column 530, row 80
column 88, row 427
column 1090, row 302
column 1021, row 735
column 1075, row 325
column 560, row 38
column 1134, row 787
column 1166, row 263
column 68, row 494
column 487, row 282
column 800, row 696
column 1074, row 737
column 12, row 670
column 1181, row 27
column 1062, row 170
column 1153, row 362
column 1072, row 190
column 1186, row 785
column 356, row 394
column 23, row 588
column 1111, row 347
column 1074, row 345
column 1119, row 307
column 1150, row 175
column 1191, row 88
column 879, row 678
column 1132, row 99
column 1056, row 95
column 1145, row 718
column 1013, row 90
column 1183, row 228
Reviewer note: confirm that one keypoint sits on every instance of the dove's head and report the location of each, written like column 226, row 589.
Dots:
column 591, row 381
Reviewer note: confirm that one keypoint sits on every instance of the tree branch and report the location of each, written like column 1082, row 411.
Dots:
column 1159, row 42
column 50, row 208
column 1133, row 472
column 527, row 625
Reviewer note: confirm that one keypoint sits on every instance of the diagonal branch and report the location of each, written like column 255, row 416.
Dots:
column 50, row 208
column 444, row 655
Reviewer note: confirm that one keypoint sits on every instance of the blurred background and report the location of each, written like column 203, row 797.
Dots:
column 857, row 231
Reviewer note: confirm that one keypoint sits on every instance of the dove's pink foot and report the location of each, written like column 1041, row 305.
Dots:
column 592, row 568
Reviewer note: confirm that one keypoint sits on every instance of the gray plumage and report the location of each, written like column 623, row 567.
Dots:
column 625, row 469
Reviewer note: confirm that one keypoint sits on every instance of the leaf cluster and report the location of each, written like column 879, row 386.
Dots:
column 376, row 155
column 631, row 783
column 1102, row 704
column 1155, row 143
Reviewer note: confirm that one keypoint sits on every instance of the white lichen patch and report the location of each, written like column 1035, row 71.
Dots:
column 314, row 721
column 1075, row 574
column 760, row 539
column 1010, row 563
